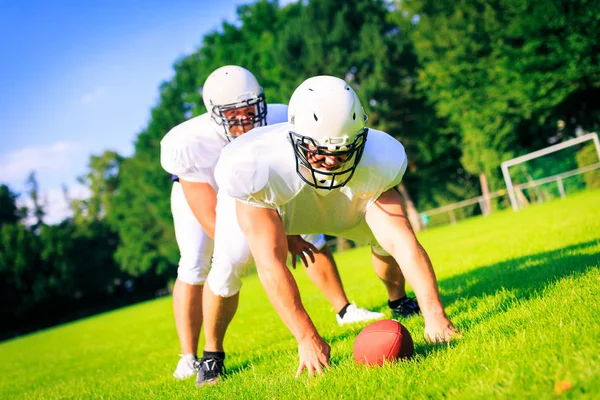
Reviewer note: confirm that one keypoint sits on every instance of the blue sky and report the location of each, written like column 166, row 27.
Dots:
column 79, row 77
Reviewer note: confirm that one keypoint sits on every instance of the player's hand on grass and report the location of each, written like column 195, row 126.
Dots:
column 314, row 356
column 440, row 330
column 301, row 248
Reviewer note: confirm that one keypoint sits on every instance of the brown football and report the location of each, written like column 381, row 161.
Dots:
column 386, row 340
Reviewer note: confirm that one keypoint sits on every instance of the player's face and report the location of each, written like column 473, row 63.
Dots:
column 325, row 162
column 240, row 119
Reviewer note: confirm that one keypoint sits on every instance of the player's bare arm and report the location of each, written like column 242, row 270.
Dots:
column 268, row 244
column 391, row 228
column 202, row 199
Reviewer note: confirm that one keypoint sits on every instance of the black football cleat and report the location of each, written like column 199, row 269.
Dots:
column 210, row 371
column 406, row 309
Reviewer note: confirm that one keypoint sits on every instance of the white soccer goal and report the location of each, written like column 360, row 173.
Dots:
column 558, row 178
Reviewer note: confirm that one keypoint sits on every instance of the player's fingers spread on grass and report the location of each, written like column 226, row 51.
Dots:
column 440, row 331
column 449, row 333
column 324, row 356
column 301, row 368
column 315, row 367
column 457, row 334
column 314, row 355
column 318, row 369
column 307, row 365
column 444, row 336
column 432, row 337
column 440, row 338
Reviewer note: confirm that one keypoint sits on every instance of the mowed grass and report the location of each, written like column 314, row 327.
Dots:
column 523, row 288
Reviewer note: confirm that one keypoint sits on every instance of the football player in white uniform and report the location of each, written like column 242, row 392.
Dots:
column 324, row 171
column 235, row 104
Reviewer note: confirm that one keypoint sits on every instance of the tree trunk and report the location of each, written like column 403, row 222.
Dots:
column 411, row 210
column 485, row 192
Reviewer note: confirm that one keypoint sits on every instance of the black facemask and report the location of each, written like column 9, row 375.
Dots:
column 351, row 155
column 260, row 119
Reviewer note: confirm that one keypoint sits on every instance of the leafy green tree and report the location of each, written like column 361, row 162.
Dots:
column 390, row 80
column 550, row 58
column 78, row 258
column 94, row 236
column 500, row 70
column 10, row 213
column 588, row 155
column 20, row 288
column 34, row 194
column 102, row 179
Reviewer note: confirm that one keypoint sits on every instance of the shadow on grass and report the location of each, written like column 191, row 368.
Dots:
column 524, row 277
column 423, row 349
column 239, row 367
column 521, row 279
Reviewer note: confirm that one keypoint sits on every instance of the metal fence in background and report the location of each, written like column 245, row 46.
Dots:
column 451, row 210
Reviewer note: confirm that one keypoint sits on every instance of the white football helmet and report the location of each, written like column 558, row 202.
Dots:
column 327, row 120
column 230, row 88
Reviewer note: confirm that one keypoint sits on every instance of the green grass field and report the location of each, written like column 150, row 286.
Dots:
column 523, row 287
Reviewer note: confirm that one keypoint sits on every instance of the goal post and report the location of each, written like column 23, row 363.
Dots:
column 539, row 153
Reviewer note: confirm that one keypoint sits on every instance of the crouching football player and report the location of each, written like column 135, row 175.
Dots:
column 322, row 171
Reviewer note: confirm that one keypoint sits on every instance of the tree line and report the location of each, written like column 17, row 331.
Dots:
column 464, row 85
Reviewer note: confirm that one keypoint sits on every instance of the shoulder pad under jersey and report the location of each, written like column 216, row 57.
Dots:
column 191, row 147
column 383, row 163
column 239, row 172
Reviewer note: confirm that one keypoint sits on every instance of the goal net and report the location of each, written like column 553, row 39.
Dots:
column 553, row 172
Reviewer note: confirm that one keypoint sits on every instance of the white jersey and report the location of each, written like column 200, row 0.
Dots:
column 191, row 149
column 260, row 169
